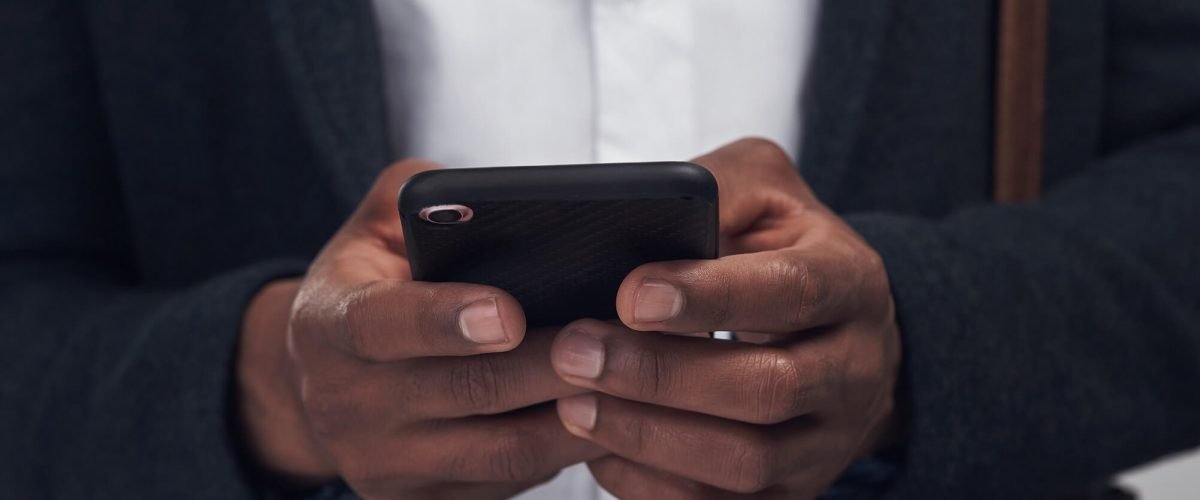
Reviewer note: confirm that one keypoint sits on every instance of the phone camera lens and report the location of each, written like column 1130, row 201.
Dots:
column 446, row 214
column 445, row 217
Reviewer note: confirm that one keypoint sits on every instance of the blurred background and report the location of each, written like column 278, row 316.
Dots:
column 1172, row 478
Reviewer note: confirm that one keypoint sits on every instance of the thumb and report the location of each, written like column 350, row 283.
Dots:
column 380, row 202
column 373, row 235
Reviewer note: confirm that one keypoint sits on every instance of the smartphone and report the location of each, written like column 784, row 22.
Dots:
column 559, row 238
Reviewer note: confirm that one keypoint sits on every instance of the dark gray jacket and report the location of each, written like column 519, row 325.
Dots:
column 161, row 159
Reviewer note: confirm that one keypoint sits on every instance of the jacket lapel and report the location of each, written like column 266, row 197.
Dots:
column 331, row 53
column 849, row 39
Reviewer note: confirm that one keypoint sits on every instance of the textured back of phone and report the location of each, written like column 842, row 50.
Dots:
column 563, row 260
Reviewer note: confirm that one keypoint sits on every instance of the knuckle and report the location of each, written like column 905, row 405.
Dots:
column 651, row 377
column 762, row 148
column 306, row 312
column 829, row 233
column 353, row 317
column 781, row 395
column 753, row 465
column 473, row 385
column 767, row 153
column 709, row 294
column 719, row 311
column 794, row 279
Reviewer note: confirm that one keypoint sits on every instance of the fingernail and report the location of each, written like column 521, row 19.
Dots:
column 578, row 411
column 656, row 301
column 579, row 355
column 480, row 323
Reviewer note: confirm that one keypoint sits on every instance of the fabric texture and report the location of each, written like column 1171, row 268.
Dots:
column 160, row 160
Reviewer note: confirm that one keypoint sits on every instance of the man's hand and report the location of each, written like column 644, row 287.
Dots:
column 403, row 389
column 692, row 417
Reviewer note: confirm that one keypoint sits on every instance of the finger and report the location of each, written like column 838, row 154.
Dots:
column 480, row 385
column 523, row 446
column 756, row 179
column 625, row 479
column 356, row 399
column 373, row 237
column 352, row 400
column 466, row 491
column 737, row 457
column 745, row 382
column 380, row 202
column 768, row 234
column 778, row 291
column 390, row 320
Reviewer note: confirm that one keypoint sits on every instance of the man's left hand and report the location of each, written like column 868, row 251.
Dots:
column 782, row 416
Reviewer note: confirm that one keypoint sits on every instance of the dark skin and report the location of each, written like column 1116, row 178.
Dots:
column 403, row 389
column 779, row 417
column 422, row 390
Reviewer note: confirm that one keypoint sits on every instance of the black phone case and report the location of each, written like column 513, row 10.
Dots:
column 560, row 238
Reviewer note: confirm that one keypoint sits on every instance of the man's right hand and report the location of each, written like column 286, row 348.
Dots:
column 401, row 388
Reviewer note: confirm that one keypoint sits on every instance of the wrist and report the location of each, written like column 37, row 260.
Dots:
column 268, row 403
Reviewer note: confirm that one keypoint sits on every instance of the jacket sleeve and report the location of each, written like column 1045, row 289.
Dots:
column 108, row 388
column 1050, row 345
column 1053, row 344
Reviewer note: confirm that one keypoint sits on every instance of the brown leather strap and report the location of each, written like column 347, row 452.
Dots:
column 1020, row 99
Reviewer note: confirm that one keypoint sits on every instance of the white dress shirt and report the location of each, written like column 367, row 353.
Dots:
column 525, row 82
